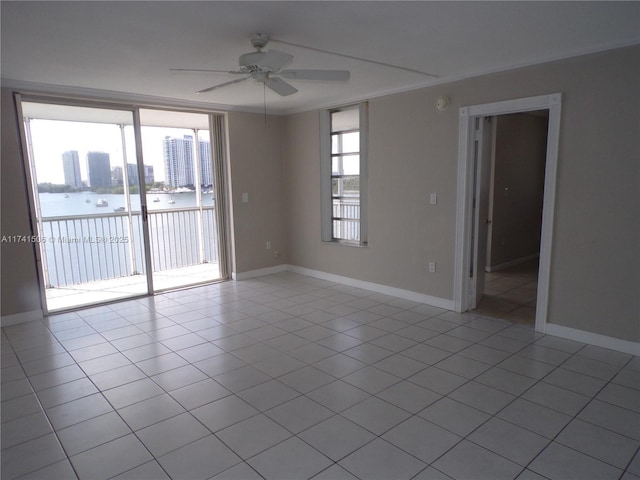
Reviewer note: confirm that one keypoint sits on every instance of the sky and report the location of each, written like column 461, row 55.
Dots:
column 51, row 138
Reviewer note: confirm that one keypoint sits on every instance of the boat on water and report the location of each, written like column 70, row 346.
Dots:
column 156, row 200
column 171, row 201
column 102, row 203
column 119, row 209
column 66, row 195
column 88, row 200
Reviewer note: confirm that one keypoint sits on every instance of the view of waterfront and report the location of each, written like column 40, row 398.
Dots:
column 94, row 243
column 84, row 203
column 83, row 243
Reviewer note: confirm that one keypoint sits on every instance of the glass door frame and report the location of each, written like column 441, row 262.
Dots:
column 189, row 129
column 219, row 159
column 146, row 237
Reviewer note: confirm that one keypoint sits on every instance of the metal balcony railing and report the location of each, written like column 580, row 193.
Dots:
column 86, row 248
column 346, row 219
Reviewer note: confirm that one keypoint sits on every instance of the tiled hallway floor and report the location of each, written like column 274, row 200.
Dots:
column 511, row 293
column 291, row 377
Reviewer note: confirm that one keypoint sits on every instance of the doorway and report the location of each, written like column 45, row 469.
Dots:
column 511, row 210
column 94, row 172
column 474, row 215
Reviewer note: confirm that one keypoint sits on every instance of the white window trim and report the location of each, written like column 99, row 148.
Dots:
column 325, row 175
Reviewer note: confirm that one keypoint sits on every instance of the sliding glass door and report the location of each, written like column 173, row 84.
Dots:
column 180, row 195
column 117, row 214
column 86, row 203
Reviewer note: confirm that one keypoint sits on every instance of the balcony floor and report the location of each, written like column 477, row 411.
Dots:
column 73, row 296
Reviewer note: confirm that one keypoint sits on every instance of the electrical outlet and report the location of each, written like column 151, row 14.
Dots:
column 432, row 267
column 245, row 197
column 433, row 199
column 268, row 245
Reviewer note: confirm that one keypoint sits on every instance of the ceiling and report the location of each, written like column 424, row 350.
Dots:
column 128, row 47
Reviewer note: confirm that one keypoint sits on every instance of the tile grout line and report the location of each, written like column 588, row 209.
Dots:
column 46, row 415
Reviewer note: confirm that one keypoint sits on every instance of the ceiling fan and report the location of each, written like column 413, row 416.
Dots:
column 267, row 68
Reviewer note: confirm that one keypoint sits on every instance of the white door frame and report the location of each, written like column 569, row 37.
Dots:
column 464, row 210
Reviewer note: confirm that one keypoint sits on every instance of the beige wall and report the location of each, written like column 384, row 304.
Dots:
column 517, row 187
column 404, row 167
column 595, row 271
column 256, row 168
column 18, row 281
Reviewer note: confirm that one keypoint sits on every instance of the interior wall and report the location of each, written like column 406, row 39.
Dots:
column 404, row 230
column 256, row 168
column 19, row 292
column 518, row 187
column 595, row 271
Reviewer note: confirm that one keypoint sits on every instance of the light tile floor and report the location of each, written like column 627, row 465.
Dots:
column 291, row 377
column 511, row 293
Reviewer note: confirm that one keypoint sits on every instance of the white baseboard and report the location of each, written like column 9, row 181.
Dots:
column 512, row 263
column 612, row 343
column 260, row 272
column 22, row 317
column 375, row 287
column 582, row 336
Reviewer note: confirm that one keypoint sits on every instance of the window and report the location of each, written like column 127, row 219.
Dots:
column 343, row 153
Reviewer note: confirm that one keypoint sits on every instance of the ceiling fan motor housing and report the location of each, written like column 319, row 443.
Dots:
column 254, row 61
column 259, row 40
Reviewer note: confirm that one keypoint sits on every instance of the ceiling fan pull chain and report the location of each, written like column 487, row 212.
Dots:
column 264, row 100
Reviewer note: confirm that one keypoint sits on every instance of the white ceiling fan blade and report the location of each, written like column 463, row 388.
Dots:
column 275, row 59
column 335, row 75
column 223, row 85
column 280, row 86
column 205, row 70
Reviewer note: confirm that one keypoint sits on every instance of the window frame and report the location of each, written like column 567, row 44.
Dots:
column 327, row 176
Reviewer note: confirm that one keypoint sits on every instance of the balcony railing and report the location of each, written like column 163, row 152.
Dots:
column 85, row 248
column 346, row 219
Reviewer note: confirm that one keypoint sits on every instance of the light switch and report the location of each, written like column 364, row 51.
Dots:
column 245, row 197
column 433, row 199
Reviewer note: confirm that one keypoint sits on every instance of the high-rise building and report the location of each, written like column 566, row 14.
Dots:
column 179, row 161
column 132, row 173
column 71, row 167
column 117, row 178
column 178, row 158
column 149, row 177
column 206, row 173
column 99, row 169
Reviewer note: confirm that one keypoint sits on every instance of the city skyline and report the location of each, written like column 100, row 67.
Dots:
column 52, row 138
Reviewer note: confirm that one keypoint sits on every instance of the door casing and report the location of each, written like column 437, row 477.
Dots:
column 483, row 149
column 464, row 285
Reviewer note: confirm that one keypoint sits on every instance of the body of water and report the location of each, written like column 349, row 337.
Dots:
column 84, row 203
